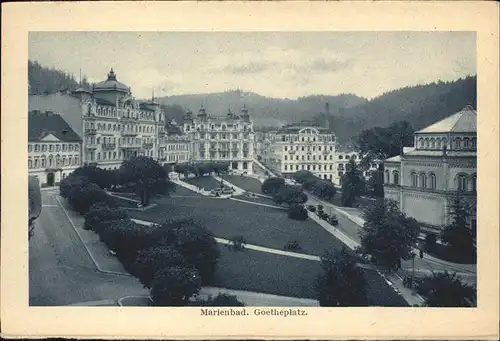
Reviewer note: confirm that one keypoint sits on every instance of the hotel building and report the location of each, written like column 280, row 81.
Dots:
column 228, row 138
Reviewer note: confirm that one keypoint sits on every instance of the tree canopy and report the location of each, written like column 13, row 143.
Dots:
column 342, row 283
column 290, row 195
column 388, row 234
column 173, row 286
column 352, row 184
column 446, row 290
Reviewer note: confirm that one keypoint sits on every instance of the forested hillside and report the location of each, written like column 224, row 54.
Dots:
column 420, row 105
column 44, row 80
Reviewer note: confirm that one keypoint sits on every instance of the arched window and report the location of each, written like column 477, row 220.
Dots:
column 445, row 142
column 432, row 178
column 474, row 143
column 426, row 143
column 474, row 182
column 466, row 143
column 462, row 182
column 438, row 143
column 423, row 180
column 414, row 179
column 395, row 177
column 457, row 143
column 433, row 143
column 421, row 142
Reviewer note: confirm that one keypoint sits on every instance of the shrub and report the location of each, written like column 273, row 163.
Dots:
column 271, row 185
column 151, row 260
column 297, row 212
column 292, row 246
column 221, row 300
column 71, row 182
column 193, row 241
column 173, row 286
column 99, row 213
column 237, row 243
column 81, row 197
column 320, row 208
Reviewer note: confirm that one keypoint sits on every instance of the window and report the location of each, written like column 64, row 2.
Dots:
column 44, row 162
column 438, row 143
column 433, row 143
column 36, row 163
column 457, row 143
column 462, row 182
column 44, row 147
column 30, row 148
column 432, row 178
column 466, row 143
column 286, row 148
column 426, row 143
column 474, row 182
column 340, row 157
column 29, row 163
column 474, row 143
column 421, row 142
column 414, row 179
column 51, row 148
column 395, row 177
column 423, row 180
column 286, row 157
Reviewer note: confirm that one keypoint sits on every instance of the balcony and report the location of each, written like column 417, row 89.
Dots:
column 129, row 133
column 147, row 145
column 90, row 131
column 127, row 145
column 108, row 146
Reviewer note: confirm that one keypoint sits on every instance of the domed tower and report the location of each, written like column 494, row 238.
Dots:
column 202, row 114
column 111, row 90
column 244, row 114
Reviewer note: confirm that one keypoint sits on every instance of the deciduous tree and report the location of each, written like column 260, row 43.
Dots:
column 173, row 286
column 446, row 290
column 342, row 282
column 388, row 234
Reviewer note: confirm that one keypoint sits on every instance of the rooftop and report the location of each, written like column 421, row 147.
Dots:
column 463, row 121
column 41, row 125
column 111, row 84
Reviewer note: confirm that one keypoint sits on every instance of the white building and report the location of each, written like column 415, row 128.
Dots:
column 228, row 138
column 54, row 149
column 304, row 146
column 111, row 123
column 425, row 178
column 178, row 145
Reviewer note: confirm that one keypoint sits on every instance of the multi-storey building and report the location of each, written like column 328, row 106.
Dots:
column 227, row 138
column 111, row 123
column 54, row 149
column 343, row 158
column 178, row 144
column 425, row 179
column 304, row 146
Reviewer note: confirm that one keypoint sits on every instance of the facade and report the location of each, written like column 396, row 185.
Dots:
column 304, row 146
column 343, row 158
column 54, row 149
column 178, row 144
column 228, row 138
column 426, row 178
column 111, row 123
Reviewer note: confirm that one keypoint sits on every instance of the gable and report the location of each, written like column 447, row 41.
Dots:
column 50, row 138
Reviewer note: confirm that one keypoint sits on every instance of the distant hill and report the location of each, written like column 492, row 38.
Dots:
column 45, row 80
column 265, row 111
column 420, row 105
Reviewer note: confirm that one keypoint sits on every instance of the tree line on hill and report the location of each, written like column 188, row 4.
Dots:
column 46, row 80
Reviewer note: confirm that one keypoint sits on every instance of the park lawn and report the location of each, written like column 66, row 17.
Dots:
column 183, row 191
column 257, row 199
column 245, row 183
column 258, row 225
column 287, row 276
column 206, row 182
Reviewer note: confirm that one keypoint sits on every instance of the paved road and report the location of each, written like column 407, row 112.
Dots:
column 61, row 271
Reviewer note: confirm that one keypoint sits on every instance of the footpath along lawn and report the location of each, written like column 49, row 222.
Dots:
column 258, row 225
column 248, row 184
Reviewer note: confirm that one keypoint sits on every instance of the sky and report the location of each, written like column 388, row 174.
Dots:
column 274, row 64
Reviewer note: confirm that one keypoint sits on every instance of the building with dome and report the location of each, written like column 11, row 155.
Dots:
column 228, row 138
column 112, row 124
column 425, row 179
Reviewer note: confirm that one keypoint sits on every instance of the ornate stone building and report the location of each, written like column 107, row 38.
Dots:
column 178, row 145
column 54, row 149
column 111, row 123
column 304, row 146
column 425, row 178
column 227, row 138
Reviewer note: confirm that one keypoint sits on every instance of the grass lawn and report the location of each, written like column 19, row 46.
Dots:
column 248, row 184
column 206, row 182
column 257, row 199
column 258, row 225
column 183, row 191
column 286, row 276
